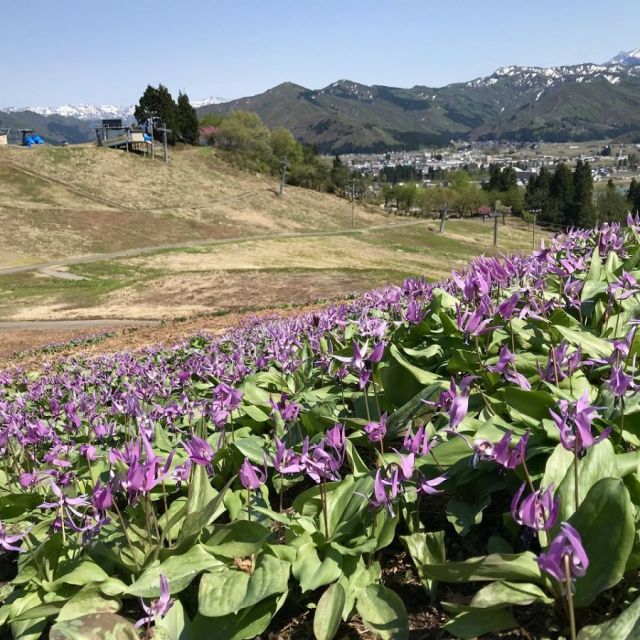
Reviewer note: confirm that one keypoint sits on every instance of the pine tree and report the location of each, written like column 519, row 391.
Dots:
column 584, row 212
column 538, row 195
column 158, row 106
column 633, row 196
column 188, row 128
column 561, row 191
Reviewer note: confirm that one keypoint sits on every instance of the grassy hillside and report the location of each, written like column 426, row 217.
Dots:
column 61, row 202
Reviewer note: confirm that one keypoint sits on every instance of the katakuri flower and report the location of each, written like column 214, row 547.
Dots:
column 158, row 608
column 566, row 543
column 539, row 510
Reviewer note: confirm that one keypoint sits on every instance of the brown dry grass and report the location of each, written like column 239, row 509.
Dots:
column 61, row 202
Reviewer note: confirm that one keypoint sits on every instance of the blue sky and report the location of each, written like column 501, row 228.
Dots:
column 71, row 51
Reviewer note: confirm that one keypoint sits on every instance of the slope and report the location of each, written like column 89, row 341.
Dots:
column 63, row 202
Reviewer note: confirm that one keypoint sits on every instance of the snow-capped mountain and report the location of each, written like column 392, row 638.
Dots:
column 548, row 77
column 207, row 101
column 627, row 58
column 80, row 111
column 96, row 112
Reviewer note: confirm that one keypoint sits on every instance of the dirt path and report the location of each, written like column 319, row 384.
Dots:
column 68, row 325
column 129, row 253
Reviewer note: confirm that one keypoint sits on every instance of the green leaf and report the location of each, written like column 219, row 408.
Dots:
column 179, row 570
column 426, row 548
column 200, row 512
column 599, row 463
column 246, row 624
column 625, row 627
column 478, row 622
column 328, row 612
column 606, row 525
column 591, row 345
column 312, row 572
column 77, row 573
column 497, row 566
column 399, row 419
column 595, row 268
column 556, row 468
column 403, row 380
column 87, row 601
column 463, row 515
column 502, row 594
column 238, row 539
column 94, row 626
column 176, row 625
column 229, row 591
column 529, row 404
column 383, row 612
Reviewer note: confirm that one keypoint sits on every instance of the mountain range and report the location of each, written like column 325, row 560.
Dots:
column 555, row 104
column 576, row 102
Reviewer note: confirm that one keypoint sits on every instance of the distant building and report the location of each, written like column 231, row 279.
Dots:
column 4, row 138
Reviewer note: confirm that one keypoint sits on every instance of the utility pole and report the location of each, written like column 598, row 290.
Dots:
column 283, row 172
column 533, row 235
column 165, row 148
column 495, row 228
column 443, row 217
column 352, row 182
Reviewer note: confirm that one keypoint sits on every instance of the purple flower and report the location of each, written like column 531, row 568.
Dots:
column 158, row 608
column 289, row 411
column 458, row 410
column 384, row 492
column 199, row 451
column 472, row 323
column 574, row 423
column 336, row 437
column 250, row 476
column 506, row 366
column 429, row 486
column 7, row 541
column 414, row 313
column 566, row 543
column 538, row 510
column 619, row 382
column 101, row 498
column 507, row 307
column 418, row 443
column 376, row 431
column 501, row 452
column 319, row 463
column 286, row 461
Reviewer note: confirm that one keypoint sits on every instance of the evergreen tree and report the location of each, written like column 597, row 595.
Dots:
column 561, row 191
column 158, row 106
column 339, row 175
column 538, row 195
column 584, row 213
column 187, row 118
column 633, row 196
column 611, row 204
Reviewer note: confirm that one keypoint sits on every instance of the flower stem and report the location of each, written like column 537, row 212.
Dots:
column 126, row 534
column 575, row 474
column 572, row 617
column 323, row 495
column 249, row 504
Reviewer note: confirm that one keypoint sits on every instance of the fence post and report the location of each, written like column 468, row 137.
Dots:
column 495, row 228
column 533, row 236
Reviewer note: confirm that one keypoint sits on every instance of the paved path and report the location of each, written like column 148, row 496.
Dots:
column 129, row 253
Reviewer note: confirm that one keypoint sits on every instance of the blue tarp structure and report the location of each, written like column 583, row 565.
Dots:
column 147, row 138
column 29, row 141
